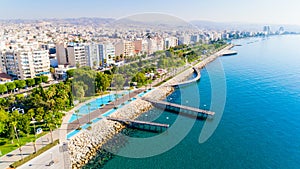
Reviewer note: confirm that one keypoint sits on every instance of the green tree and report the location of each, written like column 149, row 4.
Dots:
column 10, row 86
column 30, row 82
column 39, row 114
column 13, row 119
column 52, row 120
column 38, row 80
column 79, row 88
column 118, row 81
column 102, row 81
column 44, row 79
column 140, row 78
column 3, row 88
column 3, row 120
column 70, row 73
column 20, row 84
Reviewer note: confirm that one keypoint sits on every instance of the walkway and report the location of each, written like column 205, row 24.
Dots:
column 97, row 113
column 27, row 149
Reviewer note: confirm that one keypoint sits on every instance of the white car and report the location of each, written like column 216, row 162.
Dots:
column 39, row 131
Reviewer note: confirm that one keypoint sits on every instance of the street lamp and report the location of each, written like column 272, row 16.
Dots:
column 33, row 121
column 17, row 135
column 51, row 162
column 89, row 108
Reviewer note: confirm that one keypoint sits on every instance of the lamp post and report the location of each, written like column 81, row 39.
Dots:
column 17, row 135
column 77, row 114
column 51, row 162
column 34, row 146
column 89, row 108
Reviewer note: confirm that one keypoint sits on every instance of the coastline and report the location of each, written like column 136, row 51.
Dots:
column 84, row 146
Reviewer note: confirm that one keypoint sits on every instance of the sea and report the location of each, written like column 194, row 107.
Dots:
column 256, row 99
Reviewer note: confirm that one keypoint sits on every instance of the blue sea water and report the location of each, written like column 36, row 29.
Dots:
column 260, row 126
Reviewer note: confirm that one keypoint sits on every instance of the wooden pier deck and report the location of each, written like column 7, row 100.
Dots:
column 177, row 107
column 135, row 123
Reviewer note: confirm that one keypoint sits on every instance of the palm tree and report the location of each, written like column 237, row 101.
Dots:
column 50, row 122
column 89, row 108
column 101, row 96
column 77, row 114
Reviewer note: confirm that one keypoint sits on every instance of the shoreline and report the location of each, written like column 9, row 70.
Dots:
column 83, row 147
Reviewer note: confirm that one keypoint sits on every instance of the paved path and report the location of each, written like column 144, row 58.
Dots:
column 43, row 160
column 97, row 113
column 27, row 149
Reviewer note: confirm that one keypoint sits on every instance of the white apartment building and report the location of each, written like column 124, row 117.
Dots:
column 23, row 64
column 41, row 62
column 76, row 55
column 126, row 48
column 26, row 64
column 170, row 42
column 92, row 55
column 107, row 54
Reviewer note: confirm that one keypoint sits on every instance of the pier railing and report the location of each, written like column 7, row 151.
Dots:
column 178, row 108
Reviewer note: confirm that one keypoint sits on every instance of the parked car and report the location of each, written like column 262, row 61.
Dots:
column 39, row 131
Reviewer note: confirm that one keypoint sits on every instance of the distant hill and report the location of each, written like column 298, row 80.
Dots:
column 156, row 19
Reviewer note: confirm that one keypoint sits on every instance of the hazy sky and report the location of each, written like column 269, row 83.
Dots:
column 251, row 11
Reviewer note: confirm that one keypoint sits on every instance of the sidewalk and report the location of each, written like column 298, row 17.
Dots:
column 27, row 149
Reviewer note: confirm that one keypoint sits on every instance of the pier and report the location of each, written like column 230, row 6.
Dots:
column 190, row 81
column 178, row 108
column 229, row 53
column 144, row 125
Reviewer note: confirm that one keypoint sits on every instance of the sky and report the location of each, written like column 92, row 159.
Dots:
column 244, row 11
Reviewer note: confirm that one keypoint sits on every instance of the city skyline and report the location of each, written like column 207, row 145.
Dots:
column 255, row 11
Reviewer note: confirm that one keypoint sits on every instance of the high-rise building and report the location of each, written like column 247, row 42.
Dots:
column 170, row 42
column 126, row 48
column 24, row 63
column 194, row 39
column 92, row 55
column 184, row 40
column 281, row 30
column 41, row 62
column 267, row 30
column 9, row 63
column 61, row 54
column 76, row 55
column 107, row 54
column 141, row 46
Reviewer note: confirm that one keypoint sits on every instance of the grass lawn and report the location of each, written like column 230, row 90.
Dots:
column 6, row 146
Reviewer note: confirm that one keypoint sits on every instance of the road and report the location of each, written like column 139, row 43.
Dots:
column 44, row 85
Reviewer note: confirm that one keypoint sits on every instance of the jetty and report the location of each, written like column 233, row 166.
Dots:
column 177, row 108
column 229, row 53
column 189, row 81
column 145, row 125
